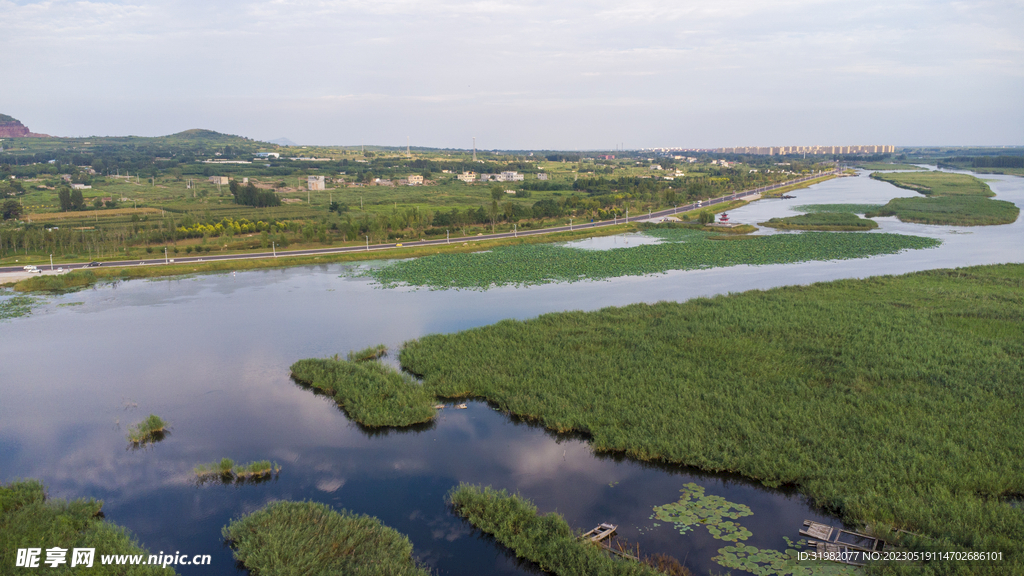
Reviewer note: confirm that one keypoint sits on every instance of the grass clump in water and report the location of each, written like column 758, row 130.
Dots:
column 29, row 519
column 312, row 539
column 547, row 540
column 891, row 401
column 371, row 353
column 226, row 469
column 152, row 429
column 953, row 199
column 838, row 221
column 681, row 249
column 369, row 391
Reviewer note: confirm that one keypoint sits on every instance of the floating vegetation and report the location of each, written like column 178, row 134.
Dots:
column 152, row 429
column 774, row 563
column 681, row 249
column 69, row 304
column 788, row 386
column 850, row 208
column 227, row 471
column 312, row 539
column 838, row 221
column 697, row 509
column 29, row 518
column 369, row 391
column 17, row 306
column 547, row 540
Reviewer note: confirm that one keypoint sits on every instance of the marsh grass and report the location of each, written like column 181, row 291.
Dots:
column 152, row 429
column 371, row 393
column 58, row 284
column 311, row 539
column 544, row 539
column 833, row 221
column 891, row 401
column 29, row 519
column 227, row 471
column 851, row 208
column 682, row 248
column 371, row 353
column 951, row 199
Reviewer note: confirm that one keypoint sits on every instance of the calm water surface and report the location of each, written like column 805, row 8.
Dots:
column 211, row 356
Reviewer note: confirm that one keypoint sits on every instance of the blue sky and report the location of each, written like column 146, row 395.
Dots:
column 524, row 74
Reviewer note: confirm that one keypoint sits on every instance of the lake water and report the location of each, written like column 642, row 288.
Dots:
column 211, row 354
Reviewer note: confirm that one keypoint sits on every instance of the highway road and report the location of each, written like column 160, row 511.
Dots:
column 371, row 247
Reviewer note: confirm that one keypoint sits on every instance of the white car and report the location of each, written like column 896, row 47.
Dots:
column 30, row 268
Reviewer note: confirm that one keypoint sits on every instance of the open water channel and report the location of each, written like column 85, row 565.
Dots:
column 210, row 355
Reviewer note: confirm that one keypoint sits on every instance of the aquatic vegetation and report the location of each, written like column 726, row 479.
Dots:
column 313, row 539
column 29, row 518
column 774, row 563
column 682, row 249
column 70, row 304
column 954, row 199
column 851, row 208
column 226, row 469
column 371, row 353
column 370, row 392
column 889, row 401
column 58, row 284
column 695, row 509
column 822, row 221
column 17, row 306
column 547, row 540
column 149, row 430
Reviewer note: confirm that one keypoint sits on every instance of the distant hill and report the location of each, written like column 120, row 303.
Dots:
column 207, row 136
column 282, row 141
column 11, row 127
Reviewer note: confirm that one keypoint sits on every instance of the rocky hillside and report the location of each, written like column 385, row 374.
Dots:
column 12, row 128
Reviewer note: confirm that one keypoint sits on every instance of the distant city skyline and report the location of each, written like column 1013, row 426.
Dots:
column 521, row 75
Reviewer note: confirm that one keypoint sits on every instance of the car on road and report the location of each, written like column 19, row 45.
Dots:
column 92, row 264
column 30, row 268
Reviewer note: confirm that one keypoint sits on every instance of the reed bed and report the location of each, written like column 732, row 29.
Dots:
column 58, row 284
column 546, row 540
column 952, row 199
column 149, row 430
column 681, row 249
column 826, row 221
column 227, row 469
column 370, row 392
column 851, row 208
column 891, row 401
column 311, row 539
column 29, row 518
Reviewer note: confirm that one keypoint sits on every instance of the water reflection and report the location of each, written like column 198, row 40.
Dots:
column 211, row 355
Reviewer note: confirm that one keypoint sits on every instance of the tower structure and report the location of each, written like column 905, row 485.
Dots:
column 474, row 148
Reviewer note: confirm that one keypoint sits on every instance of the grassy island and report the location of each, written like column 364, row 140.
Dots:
column 891, row 401
column 953, row 199
column 312, row 539
column 682, row 248
column 547, row 540
column 29, row 519
column 369, row 391
column 835, row 221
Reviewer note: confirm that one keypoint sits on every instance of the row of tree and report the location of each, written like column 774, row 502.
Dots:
column 250, row 195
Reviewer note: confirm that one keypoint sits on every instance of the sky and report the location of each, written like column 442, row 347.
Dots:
column 521, row 75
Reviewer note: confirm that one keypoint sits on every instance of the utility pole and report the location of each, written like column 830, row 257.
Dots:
column 474, row 148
